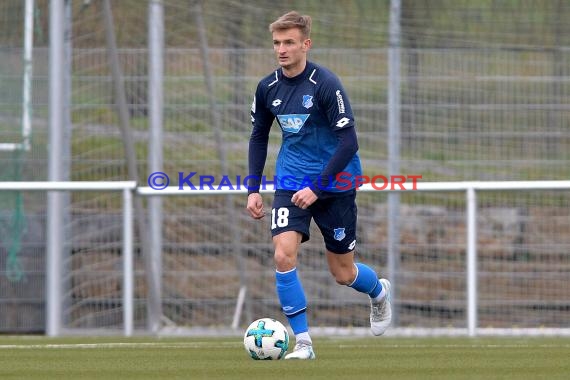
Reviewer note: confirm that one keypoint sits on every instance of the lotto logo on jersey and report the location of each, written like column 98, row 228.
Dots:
column 292, row 123
column 342, row 122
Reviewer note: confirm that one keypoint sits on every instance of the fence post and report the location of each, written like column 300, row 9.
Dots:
column 128, row 267
column 55, row 204
column 471, row 261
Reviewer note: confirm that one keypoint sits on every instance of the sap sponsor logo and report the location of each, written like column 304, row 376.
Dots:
column 292, row 123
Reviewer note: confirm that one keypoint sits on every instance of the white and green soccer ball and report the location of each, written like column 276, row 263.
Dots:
column 266, row 339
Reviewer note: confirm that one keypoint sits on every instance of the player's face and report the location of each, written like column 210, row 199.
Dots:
column 291, row 50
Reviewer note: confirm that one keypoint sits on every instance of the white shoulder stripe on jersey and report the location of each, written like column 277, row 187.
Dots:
column 275, row 81
column 311, row 76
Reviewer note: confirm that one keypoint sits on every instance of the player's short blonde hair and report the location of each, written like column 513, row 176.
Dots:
column 292, row 20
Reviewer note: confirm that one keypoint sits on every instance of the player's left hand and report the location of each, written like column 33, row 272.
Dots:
column 304, row 198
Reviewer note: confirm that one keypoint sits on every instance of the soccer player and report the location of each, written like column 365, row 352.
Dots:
column 319, row 143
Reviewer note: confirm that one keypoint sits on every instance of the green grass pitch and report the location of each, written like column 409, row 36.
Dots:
column 24, row 357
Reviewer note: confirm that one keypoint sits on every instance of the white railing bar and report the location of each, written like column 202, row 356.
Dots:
column 11, row 147
column 69, row 185
column 477, row 185
column 523, row 185
column 146, row 191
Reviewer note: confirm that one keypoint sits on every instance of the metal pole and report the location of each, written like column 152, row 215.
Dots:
column 55, row 234
column 28, row 72
column 65, row 143
column 128, row 271
column 394, row 153
column 471, row 262
column 155, row 143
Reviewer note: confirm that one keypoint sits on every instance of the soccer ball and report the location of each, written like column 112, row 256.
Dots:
column 266, row 339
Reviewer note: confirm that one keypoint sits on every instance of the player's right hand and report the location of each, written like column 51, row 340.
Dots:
column 255, row 206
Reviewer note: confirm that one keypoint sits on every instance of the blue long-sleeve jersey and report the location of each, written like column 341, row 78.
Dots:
column 317, row 125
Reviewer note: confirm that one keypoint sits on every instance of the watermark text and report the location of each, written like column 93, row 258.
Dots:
column 343, row 181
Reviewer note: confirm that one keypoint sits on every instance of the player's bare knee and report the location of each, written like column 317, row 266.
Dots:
column 284, row 261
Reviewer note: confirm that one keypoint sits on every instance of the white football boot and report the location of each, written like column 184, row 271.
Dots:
column 302, row 351
column 381, row 312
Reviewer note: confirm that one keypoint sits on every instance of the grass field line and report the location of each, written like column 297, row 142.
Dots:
column 121, row 345
column 223, row 345
column 429, row 346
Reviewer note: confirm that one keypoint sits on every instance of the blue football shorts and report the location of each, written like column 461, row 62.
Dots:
column 334, row 214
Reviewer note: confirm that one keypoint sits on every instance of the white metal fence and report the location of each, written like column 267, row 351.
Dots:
column 56, row 321
column 54, row 267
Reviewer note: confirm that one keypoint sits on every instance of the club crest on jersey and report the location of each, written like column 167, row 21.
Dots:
column 292, row 123
column 339, row 234
column 307, row 101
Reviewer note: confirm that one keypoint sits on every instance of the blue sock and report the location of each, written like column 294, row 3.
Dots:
column 292, row 298
column 366, row 281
